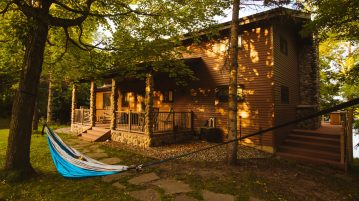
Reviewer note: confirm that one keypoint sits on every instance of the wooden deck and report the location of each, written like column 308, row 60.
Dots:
column 320, row 146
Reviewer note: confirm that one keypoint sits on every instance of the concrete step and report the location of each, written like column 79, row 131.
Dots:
column 312, row 160
column 334, row 156
column 96, row 135
column 315, row 133
column 100, row 129
column 312, row 145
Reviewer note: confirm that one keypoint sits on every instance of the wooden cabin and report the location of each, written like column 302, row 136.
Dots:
column 278, row 81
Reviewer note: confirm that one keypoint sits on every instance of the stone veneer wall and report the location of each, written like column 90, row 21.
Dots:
column 136, row 139
column 79, row 128
column 142, row 140
column 308, row 82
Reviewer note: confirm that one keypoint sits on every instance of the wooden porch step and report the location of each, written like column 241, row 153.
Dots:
column 313, row 145
column 96, row 134
column 315, row 133
column 312, row 160
column 314, row 139
column 318, row 154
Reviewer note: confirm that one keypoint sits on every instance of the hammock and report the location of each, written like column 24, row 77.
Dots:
column 72, row 164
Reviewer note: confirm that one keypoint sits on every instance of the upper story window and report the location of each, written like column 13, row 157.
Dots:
column 283, row 45
column 222, row 93
column 284, row 95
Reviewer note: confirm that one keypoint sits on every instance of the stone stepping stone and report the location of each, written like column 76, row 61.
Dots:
column 111, row 161
column 114, row 177
column 211, row 196
column 184, row 198
column 80, row 146
column 94, row 147
column 145, row 195
column 255, row 199
column 97, row 155
column 173, row 186
column 145, row 178
column 97, row 150
column 118, row 185
column 86, row 151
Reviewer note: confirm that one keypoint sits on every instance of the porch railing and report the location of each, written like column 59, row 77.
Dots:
column 82, row 116
column 131, row 121
column 162, row 121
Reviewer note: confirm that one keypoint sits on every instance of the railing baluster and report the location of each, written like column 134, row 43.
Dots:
column 173, row 121
column 129, row 120
column 82, row 116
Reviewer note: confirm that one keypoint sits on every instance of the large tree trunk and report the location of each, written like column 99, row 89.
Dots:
column 49, row 103
column 350, row 133
column 73, row 103
column 232, row 103
column 36, row 118
column 149, row 105
column 92, row 104
column 18, row 150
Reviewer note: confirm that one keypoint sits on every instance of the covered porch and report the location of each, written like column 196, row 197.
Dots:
column 130, row 114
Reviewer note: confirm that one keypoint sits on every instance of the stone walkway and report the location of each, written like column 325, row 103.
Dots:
column 149, row 186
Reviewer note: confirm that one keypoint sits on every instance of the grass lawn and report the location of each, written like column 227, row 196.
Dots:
column 268, row 179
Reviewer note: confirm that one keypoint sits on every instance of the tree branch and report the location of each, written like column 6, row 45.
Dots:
column 68, row 38
column 64, row 6
column 61, row 55
column 93, row 46
column 6, row 7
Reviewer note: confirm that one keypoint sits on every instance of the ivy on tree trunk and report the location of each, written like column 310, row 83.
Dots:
column 18, row 150
column 233, row 74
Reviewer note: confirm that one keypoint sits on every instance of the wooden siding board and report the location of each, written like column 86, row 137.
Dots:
column 255, row 72
column 286, row 74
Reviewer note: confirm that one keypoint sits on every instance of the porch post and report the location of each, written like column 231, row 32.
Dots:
column 114, row 99
column 73, row 103
column 92, row 104
column 149, row 105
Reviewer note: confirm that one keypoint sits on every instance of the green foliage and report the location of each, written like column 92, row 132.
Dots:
column 338, row 18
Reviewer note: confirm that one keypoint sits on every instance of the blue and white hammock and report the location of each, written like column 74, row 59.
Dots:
column 70, row 163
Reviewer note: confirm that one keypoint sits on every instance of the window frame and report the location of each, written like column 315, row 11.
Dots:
column 108, row 100
column 283, row 45
column 240, row 87
column 166, row 98
column 284, row 95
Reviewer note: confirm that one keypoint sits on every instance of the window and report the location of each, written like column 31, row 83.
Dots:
column 167, row 96
column 106, row 100
column 222, row 93
column 284, row 94
column 283, row 45
column 127, row 98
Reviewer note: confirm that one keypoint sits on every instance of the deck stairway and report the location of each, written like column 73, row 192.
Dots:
column 321, row 146
column 96, row 134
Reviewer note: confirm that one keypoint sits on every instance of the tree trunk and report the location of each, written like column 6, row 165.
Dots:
column 114, row 99
column 232, row 102
column 73, row 103
column 92, row 104
column 149, row 105
column 36, row 118
column 49, row 103
column 350, row 133
column 18, row 150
